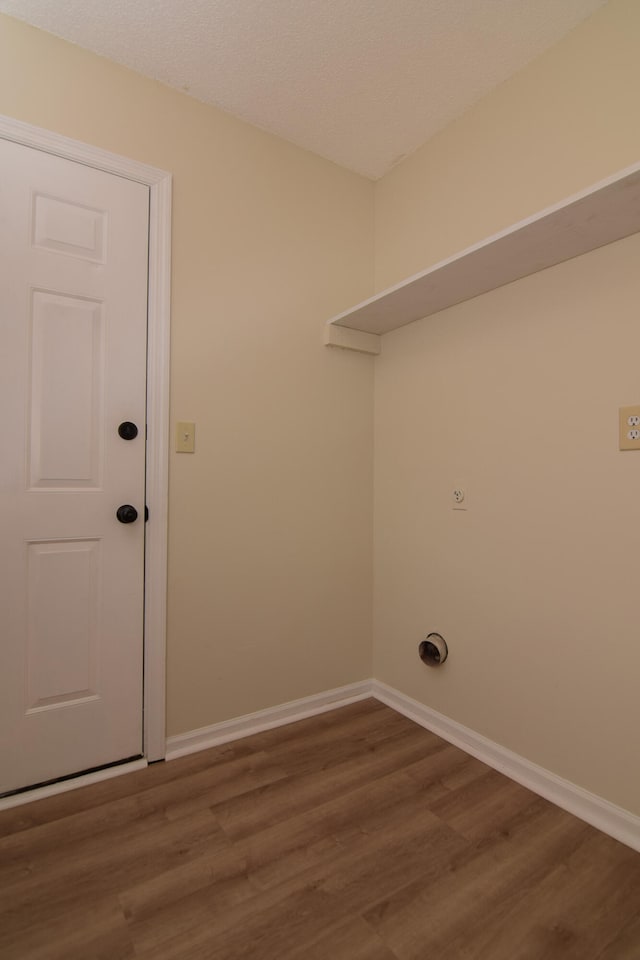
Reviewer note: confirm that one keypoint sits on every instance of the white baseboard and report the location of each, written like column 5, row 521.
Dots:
column 227, row 730
column 600, row 813
column 595, row 810
column 63, row 786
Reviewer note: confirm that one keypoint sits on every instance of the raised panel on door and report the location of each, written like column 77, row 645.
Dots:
column 63, row 623
column 67, row 227
column 67, row 371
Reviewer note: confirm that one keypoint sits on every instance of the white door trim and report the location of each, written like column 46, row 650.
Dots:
column 159, row 183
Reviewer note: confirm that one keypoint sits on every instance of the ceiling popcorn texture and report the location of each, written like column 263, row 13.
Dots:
column 360, row 82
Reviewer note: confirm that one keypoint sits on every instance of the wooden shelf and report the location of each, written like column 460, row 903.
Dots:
column 608, row 211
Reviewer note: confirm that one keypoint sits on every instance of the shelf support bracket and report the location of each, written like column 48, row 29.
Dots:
column 347, row 339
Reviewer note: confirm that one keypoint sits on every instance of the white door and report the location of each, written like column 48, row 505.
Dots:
column 73, row 308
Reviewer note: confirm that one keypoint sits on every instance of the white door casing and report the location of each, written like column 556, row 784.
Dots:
column 55, row 563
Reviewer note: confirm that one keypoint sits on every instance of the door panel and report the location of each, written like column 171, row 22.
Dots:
column 67, row 386
column 73, row 302
column 69, row 228
column 63, row 580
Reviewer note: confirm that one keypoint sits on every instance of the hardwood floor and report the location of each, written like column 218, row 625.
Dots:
column 354, row 835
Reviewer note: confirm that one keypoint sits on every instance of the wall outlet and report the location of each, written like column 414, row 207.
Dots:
column 629, row 428
column 459, row 498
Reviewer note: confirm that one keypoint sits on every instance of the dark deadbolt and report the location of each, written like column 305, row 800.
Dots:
column 127, row 430
column 126, row 513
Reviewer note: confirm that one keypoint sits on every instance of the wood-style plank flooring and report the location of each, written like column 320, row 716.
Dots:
column 354, row 835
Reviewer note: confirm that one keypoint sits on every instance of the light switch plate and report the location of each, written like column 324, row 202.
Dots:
column 630, row 428
column 185, row 437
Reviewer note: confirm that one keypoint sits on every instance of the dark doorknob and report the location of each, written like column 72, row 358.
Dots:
column 126, row 513
column 127, row 430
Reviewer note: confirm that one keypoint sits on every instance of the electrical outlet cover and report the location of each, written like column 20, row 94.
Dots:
column 629, row 428
column 459, row 499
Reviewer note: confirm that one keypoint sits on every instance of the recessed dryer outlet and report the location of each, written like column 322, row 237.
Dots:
column 459, row 497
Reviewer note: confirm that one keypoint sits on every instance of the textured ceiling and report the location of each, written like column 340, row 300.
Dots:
column 361, row 82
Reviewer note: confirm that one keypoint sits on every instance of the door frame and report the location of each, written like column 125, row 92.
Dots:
column 157, row 448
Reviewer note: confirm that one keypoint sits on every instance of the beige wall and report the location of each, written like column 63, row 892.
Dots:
column 515, row 395
column 562, row 124
column 270, row 521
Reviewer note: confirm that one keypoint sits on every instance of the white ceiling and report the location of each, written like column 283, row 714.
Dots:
column 361, row 82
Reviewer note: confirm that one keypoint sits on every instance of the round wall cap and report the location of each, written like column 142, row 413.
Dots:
column 433, row 650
